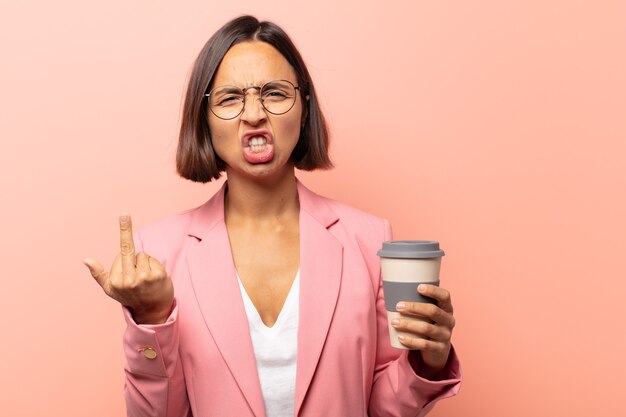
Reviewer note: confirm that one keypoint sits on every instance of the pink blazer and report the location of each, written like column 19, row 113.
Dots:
column 201, row 361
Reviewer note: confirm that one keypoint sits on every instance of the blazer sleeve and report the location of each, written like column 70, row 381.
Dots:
column 154, row 382
column 397, row 390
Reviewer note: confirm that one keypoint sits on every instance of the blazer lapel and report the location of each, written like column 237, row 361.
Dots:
column 215, row 285
column 321, row 258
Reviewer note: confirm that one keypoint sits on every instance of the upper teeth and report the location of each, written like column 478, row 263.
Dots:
column 257, row 141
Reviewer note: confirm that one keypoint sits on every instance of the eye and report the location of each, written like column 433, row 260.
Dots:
column 274, row 94
column 277, row 93
column 228, row 100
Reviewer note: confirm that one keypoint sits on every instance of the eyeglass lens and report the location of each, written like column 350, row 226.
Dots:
column 277, row 97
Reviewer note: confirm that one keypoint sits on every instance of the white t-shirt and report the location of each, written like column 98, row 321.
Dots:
column 276, row 351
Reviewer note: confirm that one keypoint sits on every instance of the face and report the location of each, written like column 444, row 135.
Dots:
column 256, row 143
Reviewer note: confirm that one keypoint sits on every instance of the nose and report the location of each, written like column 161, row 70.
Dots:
column 253, row 111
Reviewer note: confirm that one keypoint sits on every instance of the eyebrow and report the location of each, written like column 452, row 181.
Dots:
column 273, row 83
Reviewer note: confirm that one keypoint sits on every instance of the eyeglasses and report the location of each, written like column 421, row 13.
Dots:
column 228, row 101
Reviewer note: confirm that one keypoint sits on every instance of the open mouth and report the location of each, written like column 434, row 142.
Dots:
column 257, row 144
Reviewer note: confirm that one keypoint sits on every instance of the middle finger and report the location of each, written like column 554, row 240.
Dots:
column 127, row 245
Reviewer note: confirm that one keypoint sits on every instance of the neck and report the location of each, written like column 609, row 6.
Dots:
column 257, row 200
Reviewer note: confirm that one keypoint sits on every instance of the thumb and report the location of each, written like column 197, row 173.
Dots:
column 97, row 272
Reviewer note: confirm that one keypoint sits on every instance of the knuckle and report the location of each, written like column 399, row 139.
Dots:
column 407, row 325
column 417, row 308
column 420, row 343
column 423, row 344
column 414, row 324
column 142, row 275
column 126, row 248
column 117, row 285
column 134, row 285
column 129, row 281
column 426, row 328
column 442, row 346
column 430, row 346
column 158, row 274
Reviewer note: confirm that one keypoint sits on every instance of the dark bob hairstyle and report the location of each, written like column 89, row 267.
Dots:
column 196, row 159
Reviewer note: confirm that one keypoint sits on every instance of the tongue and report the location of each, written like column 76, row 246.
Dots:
column 264, row 155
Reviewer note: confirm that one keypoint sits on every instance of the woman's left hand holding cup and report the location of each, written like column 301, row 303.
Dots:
column 431, row 334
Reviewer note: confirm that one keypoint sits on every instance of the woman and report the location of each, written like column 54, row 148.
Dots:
column 266, row 300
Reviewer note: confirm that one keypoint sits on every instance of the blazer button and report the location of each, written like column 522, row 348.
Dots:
column 149, row 353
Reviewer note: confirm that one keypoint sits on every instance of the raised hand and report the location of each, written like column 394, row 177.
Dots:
column 139, row 282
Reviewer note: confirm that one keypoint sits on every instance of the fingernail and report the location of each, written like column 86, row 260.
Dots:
column 421, row 288
column 401, row 337
column 395, row 322
column 400, row 306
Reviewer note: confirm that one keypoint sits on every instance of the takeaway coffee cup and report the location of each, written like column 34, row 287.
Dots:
column 405, row 264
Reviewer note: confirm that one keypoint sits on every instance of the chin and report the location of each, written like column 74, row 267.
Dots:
column 270, row 169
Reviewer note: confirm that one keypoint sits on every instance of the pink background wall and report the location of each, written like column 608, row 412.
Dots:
column 500, row 130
